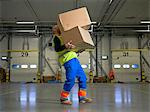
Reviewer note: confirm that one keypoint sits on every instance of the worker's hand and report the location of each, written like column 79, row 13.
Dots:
column 69, row 45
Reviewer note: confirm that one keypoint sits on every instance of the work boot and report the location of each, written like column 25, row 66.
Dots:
column 65, row 101
column 64, row 98
column 83, row 98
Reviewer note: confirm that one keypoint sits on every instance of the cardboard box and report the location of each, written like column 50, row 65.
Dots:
column 80, row 37
column 73, row 18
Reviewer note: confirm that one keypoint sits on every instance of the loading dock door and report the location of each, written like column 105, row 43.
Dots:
column 24, row 63
column 24, row 69
column 126, row 65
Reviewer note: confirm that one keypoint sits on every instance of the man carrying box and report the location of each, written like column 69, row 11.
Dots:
column 68, row 58
column 74, row 25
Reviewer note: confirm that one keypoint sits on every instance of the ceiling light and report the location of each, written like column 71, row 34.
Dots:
column 110, row 1
column 145, row 22
column 146, row 31
column 143, row 31
column 4, row 58
column 24, row 22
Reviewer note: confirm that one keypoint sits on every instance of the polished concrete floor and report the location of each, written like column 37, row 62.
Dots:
column 45, row 98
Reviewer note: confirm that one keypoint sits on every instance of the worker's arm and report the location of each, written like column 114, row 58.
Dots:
column 57, row 45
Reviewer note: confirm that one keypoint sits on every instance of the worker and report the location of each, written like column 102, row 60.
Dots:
column 68, row 58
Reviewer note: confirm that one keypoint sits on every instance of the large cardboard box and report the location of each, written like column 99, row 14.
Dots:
column 73, row 18
column 80, row 38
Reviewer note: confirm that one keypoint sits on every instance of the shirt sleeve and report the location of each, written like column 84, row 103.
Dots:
column 57, row 44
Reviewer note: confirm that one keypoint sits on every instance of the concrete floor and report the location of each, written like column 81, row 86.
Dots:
column 45, row 98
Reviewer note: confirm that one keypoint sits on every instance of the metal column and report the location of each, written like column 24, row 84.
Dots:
column 91, row 62
column 139, row 47
column 96, row 53
column 9, row 57
column 109, row 51
column 100, row 54
column 40, row 58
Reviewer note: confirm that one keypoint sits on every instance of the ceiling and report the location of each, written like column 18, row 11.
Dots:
column 44, row 12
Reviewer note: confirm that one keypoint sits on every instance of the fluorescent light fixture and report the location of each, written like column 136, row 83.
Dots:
column 15, row 66
column 145, row 22
column 117, row 66
column 110, row 1
column 24, row 66
column 4, row 58
column 126, row 66
column 84, row 66
column 143, row 31
column 24, row 22
column 146, row 31
column 104, row 57
column 24, row 31
column 33, row 66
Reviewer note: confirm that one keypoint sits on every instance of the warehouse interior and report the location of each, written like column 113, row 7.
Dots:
column 117, row 69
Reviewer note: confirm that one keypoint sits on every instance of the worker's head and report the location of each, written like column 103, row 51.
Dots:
column 56, row 30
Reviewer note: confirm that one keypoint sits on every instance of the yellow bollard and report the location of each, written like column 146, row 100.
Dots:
column 38, row 78
column 90, row 77
column 143, row 76
column 7, row 77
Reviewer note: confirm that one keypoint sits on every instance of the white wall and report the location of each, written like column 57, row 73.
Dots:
column 117, row 41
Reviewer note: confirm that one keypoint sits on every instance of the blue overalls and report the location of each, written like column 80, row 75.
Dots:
column 73, row 69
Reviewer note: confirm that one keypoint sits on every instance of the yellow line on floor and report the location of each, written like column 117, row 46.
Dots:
column 33, row 50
